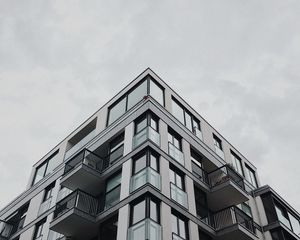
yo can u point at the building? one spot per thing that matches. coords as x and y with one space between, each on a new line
147 166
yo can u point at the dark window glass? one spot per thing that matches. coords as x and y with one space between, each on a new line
148 119
178 111
116 148
137 95
157 92
250 175
49 191
113 188
147 158
196 158
39 229
140 163
117 111
237 163
139 126
217 142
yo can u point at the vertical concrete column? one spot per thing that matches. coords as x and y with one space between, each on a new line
187 155
125 179
33 208
166 223
101 120
163 131
123 222
46 226
165 177
28 234
193 231
128 138
191 195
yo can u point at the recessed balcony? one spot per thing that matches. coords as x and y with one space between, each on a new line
75 215
83 171
147 133
233 223
175 153
227 188
5 230
146 229
178 195
147 175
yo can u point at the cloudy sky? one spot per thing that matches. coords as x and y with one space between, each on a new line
235 61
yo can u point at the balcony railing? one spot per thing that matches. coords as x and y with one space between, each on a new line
219 152
177 237
45 206
80 144
148 175
5 230
198 133
86 157
79 200
224 174
147 133
146 229
231 216
175 153
178 195
199 173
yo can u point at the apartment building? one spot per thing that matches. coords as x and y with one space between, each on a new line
147 166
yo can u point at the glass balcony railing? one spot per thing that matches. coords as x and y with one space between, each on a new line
77 199
224 174
80 144
45 206
219 152
148 175
199 172
147 133
178 195
175 153
5 230
177 237
86 157
147 229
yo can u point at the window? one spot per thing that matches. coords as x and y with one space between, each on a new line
38 233
17 219
177 179
145 159
185 117
179 226
147 208
46 167
201 204
48 192
250 175
149 119
217 142
237 163
174 139
282 215
245 208
295 224
116 148
113 188
130 99
195 157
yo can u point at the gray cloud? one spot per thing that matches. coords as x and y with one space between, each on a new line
236 62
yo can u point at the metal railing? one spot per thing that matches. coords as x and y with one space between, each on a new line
146 229
5 230
45 206
147 133
199 173
179 195
87 157
147 175
79 200
224 174
175 153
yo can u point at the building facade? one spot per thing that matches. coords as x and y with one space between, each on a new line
147 166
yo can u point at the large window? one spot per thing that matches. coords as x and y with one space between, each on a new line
130 99
148 119
250 175
38 233
174 139
177 179
185 117
116 148
237 163
179 227
113 188
145 159
46 167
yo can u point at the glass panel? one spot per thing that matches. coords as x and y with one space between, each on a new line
153 211
53 163
113 182
138 212
153 124
147 133
295 224
250 175
282 216
154 136
237 164
176 154
153 162
156 92
40 173
179 181
117 111
137 95
146 229
141 125
196 124
188 121
174 224
147 175
178 112
178 195
140 163
181 228
112 197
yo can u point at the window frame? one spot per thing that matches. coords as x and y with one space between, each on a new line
48 191
178 217
148 116
180 175
217 142
236 158
248 177
174 135
112 189
147 153
38 231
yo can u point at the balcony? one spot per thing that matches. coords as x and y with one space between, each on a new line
84 165
178 195
75 215
175 153
80 144
45 206
146 229
233 223
227 188
5 230
147 133
148 175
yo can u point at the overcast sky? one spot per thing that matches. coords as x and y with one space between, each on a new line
237 62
